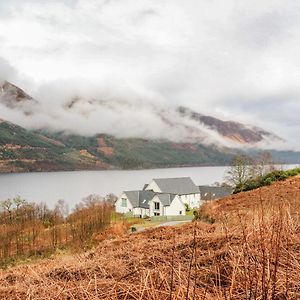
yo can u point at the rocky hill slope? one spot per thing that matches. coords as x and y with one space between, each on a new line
248 247
234 131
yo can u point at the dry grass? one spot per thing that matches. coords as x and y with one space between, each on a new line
251 252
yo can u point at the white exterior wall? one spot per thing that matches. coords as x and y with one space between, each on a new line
151 207
175 208
119 208
172 210
193 200
154 187
139 211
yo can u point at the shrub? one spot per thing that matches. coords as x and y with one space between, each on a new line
268 179
187 207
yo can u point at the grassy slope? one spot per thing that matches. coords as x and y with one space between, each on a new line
251 251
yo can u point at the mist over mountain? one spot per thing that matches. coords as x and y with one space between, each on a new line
235 61
90 131
90 111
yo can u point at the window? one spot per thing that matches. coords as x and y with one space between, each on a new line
156 214
180 212
124 202
156 205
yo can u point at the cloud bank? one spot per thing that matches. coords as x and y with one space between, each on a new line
232 59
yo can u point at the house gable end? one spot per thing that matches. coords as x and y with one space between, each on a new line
152 186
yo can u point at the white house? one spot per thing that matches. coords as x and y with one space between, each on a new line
184 187
166 205
135 202
161 197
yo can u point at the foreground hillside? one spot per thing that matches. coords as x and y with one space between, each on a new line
247 249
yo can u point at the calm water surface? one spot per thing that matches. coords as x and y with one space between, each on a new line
74 186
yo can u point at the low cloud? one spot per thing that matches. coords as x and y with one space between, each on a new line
7 72
129 60
124 113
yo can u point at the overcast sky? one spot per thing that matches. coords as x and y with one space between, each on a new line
233 59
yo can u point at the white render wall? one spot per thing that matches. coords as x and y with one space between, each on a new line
151 207
139 211
173 210
119 208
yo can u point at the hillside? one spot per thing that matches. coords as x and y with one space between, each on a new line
190 125
249 248
144 153
11 95
234 131
24 151
204 140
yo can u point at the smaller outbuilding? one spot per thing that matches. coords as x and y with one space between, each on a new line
214 192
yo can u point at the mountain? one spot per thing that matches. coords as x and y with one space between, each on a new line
207 140
13 97
179 124
231 130
24 151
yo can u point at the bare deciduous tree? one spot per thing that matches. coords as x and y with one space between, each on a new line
240 171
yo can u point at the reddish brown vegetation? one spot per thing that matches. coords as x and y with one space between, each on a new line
29 230
108 151
101 142
187 147
250 252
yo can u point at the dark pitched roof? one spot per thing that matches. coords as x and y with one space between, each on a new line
166 199
139 198
214 192
179 186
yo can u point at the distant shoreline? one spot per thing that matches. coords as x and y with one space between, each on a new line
136 169
112 169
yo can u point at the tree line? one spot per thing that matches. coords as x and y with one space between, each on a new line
32 229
